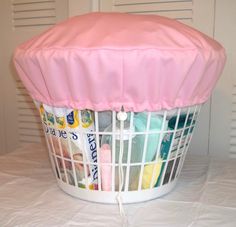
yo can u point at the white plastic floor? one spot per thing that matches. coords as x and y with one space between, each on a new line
205 195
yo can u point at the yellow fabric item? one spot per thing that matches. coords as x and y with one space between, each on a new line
149 170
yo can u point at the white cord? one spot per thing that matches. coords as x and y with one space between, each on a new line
121 171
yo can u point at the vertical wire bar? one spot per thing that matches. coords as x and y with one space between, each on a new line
172 142
179 145
44 125
186 146
98 151
84 151
159 148
121 170
144 151
129 152
52 146
50 156
113 149
69 145
49 149
185 142
60 147
196 112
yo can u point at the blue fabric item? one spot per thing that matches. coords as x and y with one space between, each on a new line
140 123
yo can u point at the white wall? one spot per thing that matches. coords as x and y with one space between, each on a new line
223 108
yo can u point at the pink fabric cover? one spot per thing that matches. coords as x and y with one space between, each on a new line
104 61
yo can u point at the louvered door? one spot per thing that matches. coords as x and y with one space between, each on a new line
30 14
33 13
21 20
181 10
196 13
29 126
232 133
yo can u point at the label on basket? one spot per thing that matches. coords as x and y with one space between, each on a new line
72 138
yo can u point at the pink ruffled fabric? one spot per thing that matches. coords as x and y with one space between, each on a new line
106 61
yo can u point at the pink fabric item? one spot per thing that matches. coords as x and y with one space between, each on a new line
103 61
106 170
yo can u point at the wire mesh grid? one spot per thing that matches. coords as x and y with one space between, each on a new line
97 151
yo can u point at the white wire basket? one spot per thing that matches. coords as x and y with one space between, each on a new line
97 156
